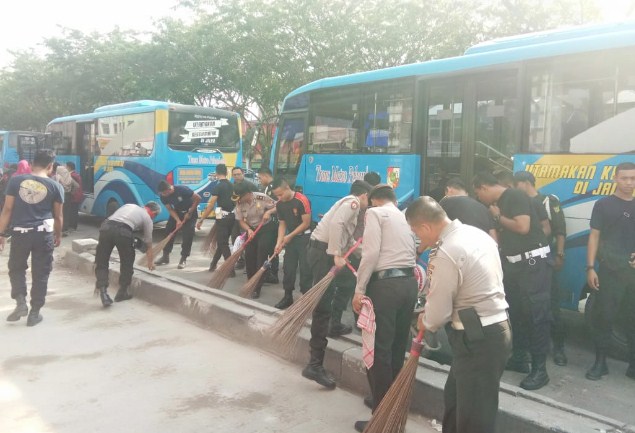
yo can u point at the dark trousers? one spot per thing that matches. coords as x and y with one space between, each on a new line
616 295
345 283
528 293
558 329
114 234
39 245
223 232
471 390
259 249
73 215
275 262
66 210
320 264
393 301
187 232
294 258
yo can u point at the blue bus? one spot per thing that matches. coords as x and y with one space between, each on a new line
122 151
18 145
560 104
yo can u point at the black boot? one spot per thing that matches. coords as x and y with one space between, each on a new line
20 310
320 375
182 264
122 294
285 302
164 260
559 357
538 376
518 362
105 297
339 329
33 318
212 267
599 368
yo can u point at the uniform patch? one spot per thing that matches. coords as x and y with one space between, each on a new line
354 205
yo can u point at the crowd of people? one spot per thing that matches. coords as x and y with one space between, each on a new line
490 280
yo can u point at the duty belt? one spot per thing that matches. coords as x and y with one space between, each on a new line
529 255
220 214
314 243
392 273
485 321
40 228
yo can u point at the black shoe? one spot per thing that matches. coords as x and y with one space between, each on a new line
368 401
271 279
182 264
164 260
630 371
106 301
33 318
122 295
339 329
360 426
285 302
599 368
518 364
320 375
255 295
538 376
212 267
559 358
20 310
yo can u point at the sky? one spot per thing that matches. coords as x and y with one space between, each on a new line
24 23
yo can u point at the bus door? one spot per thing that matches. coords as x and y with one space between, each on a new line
86 143
290 147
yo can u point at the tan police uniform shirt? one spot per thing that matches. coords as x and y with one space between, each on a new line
337 226
464 271
252 211
388 243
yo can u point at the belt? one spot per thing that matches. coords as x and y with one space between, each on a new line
314 243
485 321
392 273
538 252
220 214
23 230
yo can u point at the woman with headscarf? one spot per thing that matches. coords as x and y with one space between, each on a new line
23 168
63 176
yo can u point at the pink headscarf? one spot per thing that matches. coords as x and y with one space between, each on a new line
23 168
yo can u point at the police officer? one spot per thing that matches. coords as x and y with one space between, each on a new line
527 275
223 206
612 242
252 208
294 214
466 295
182 204
386 276
265 176
238 177
117 231
556 235
32 213
330 240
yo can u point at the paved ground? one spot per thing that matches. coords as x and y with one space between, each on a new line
136 368
612 396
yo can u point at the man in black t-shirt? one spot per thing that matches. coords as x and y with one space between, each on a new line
265 176
182 204
458 205
526 275
32 213
294 214
612 242
223 206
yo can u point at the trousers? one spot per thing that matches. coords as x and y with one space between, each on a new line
187 232
225 227
39 245
258 250
114 234
320 264
295 257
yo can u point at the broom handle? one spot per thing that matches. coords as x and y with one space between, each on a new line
417 343
255 233
335 269
353 270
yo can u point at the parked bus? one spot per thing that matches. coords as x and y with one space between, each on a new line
122 151
560 104
18 145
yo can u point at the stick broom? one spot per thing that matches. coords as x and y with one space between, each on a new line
250 286
288 326
221 275
157 248
392 413
209 243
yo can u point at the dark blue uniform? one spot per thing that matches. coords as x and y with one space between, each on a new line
181 202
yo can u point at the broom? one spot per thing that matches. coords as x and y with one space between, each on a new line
157 248
248 288
392 413
289 324
209 243
219 278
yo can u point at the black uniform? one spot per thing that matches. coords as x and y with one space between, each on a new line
181 202
295 251
32 234
225 218
468 211
275 263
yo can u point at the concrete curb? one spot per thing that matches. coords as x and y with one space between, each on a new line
245 320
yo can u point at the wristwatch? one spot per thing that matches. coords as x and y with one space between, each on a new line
590 267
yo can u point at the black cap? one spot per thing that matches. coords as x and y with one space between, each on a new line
524 176
240 189
361 186
379 187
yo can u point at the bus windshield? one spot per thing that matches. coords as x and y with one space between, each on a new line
202 132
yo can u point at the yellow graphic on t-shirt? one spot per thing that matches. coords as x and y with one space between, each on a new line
32 191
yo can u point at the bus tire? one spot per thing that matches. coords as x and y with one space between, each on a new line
619 342
112 207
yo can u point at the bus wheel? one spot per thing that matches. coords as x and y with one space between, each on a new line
112 207
619 342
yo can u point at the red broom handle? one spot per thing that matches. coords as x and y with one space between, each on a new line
353 270
249 239
417 343
335 269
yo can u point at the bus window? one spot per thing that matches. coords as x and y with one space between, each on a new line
109 136
497 119
62 137
387 119
199 132
334 125
290 146
138 134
